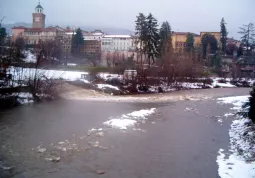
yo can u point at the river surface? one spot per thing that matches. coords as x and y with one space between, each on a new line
180 139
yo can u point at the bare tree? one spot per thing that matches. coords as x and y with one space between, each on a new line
108 58
51 49
248 36
20 43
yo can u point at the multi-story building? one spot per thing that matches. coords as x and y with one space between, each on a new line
94 35
35 35
92 48
179 39
124 45
217 35
18 32
92 43
38 32
117 43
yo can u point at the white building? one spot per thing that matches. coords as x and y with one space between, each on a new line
117 43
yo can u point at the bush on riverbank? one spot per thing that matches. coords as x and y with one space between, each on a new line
251 103
249 107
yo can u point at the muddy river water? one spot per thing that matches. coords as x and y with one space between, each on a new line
68 138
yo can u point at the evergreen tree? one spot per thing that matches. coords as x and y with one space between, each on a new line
208 39
140 30
251 113
165 34
77 42
248 36
224 33
189 42
249 107
240 51
3 34
152 39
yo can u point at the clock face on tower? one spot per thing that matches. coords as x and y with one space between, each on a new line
37 19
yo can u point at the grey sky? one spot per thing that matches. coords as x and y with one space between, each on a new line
183 15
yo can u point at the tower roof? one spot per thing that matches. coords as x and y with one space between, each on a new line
39 6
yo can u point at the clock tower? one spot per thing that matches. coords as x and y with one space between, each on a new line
39 17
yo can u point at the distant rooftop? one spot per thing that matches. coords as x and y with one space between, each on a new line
19 27
184 33
117 36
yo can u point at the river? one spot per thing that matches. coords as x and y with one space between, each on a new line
54 139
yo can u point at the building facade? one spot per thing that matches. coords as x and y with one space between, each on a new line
179 39
38 32
18 32
92 48
37 35
117 43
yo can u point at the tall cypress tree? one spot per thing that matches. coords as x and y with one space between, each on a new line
140 32
152 39
189 42
164 34
224 34
77 42
211 41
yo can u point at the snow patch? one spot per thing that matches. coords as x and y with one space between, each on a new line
30 58
104 86
225 85
84 80
228 114
241 162
26 73
121 123
234 167
216 83
108 76
25 98
142 113
129 120
237 101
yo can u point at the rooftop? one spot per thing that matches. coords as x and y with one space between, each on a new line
19 27
40 29
39 6
184 33
116 36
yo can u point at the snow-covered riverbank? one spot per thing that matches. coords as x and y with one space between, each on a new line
241 160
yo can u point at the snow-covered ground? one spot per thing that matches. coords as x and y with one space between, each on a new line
216 83
108 76
20 74
30 58
241 160
25 73
104 86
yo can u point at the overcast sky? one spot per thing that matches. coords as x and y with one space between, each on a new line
183 15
